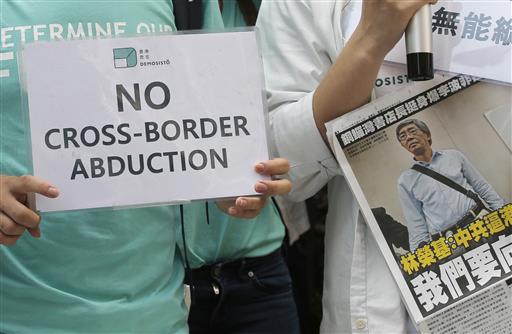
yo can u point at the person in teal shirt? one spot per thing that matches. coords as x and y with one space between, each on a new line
101 271
236 273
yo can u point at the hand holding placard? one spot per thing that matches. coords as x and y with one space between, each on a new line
170 128
249 207
15 216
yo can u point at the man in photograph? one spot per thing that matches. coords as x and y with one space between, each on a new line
443 189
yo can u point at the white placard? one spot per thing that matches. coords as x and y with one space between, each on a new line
144 120
469 37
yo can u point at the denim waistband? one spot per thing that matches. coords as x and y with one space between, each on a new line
214 270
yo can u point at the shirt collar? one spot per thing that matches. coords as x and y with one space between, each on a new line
435 153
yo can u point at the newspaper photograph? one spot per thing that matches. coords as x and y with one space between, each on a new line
431 167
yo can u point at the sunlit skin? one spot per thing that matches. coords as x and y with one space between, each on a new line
416 141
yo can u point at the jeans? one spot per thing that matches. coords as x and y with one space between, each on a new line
252 295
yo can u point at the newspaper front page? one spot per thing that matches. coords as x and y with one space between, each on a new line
431 166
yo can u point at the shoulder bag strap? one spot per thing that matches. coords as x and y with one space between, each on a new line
446 181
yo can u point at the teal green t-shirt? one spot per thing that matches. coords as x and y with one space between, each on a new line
232 15
225 238
212 18
109 271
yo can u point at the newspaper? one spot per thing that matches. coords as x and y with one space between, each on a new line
448 243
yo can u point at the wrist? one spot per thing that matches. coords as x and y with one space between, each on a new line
367 44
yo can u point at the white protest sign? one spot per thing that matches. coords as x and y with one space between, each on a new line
469 37
138 121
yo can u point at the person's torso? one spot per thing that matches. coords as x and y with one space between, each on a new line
226 238
360 294
92 271
441 205
223 238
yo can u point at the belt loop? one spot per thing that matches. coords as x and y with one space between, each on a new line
241 269
216 271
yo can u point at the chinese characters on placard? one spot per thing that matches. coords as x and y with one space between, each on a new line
474 26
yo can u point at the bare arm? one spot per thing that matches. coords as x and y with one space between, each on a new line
309 83
349 82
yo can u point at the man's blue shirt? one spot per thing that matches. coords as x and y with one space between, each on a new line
429 206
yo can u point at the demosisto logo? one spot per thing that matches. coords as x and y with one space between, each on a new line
125 57
128 57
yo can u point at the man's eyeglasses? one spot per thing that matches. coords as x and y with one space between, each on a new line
402 136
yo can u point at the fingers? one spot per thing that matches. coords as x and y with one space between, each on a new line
19 213
273 167
35 232
250 207
33 184
9 227
15 217
10 232
428 2
243 207
250 203
8 239
273 187
247 207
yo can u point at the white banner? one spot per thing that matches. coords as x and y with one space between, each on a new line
138 121
470 37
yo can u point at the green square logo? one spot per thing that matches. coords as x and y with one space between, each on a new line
125 57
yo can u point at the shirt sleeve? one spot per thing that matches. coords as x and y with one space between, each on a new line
480 185
295 59
416 223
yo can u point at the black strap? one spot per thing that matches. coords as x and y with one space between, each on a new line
184 239
446 181
207 208
188 14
